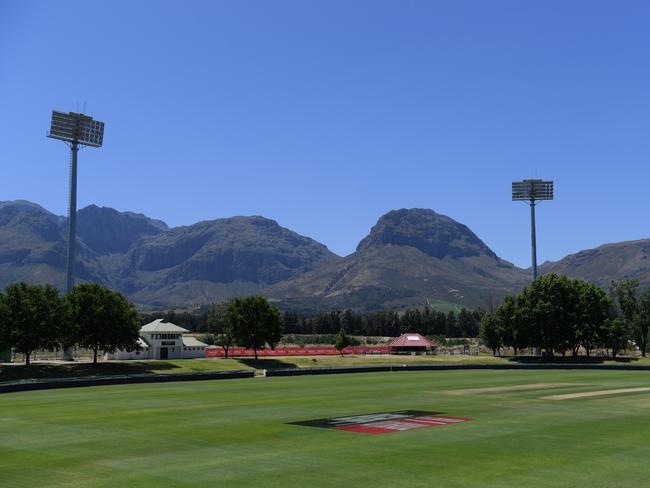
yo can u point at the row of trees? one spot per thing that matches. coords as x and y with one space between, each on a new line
464 323
37 317
560 315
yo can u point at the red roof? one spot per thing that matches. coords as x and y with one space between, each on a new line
411 340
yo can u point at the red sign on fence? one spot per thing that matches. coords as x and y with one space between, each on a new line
218 352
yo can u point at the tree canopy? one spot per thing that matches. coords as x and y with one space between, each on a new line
103 319
256 323
33 317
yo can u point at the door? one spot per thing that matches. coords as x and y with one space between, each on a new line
163 353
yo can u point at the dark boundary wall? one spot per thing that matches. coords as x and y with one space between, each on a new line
450 367
30 385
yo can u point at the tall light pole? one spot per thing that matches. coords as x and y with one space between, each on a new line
76 130
532 191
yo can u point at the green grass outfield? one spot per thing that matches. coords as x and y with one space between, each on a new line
234 433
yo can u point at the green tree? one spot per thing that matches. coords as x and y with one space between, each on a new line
513 331
256 323
624 293
490 333
616 334
628 309
595 308
549 307
451 325
105 320
642 322
5 331
220 325
34 318
343 340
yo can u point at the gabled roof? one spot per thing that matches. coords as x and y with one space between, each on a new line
193 342
411 339
159 326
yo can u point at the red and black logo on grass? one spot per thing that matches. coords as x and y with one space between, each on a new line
386 422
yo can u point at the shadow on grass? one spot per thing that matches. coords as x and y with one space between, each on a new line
567 360
44 371
265 363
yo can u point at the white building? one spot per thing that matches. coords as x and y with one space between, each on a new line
163 340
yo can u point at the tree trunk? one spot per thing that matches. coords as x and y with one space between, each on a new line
225 348
255 350
95 356
27 362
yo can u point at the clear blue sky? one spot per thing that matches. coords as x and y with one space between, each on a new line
324 115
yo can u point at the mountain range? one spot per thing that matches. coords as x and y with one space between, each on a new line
410 258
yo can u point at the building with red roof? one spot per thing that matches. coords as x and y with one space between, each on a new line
411 342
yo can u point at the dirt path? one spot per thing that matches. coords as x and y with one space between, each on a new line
505 389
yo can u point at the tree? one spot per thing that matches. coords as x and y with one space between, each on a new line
105 320
628 309
256 323
342 341
33 317
642 323
549 307
513 331
616 335
490 333
451 326
5 331
595 309
220 325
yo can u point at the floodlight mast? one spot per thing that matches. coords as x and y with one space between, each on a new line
75 130
532 191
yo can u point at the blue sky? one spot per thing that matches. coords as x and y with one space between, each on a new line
323 115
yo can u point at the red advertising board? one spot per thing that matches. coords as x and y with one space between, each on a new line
218 352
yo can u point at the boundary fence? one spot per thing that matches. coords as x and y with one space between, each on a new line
29 385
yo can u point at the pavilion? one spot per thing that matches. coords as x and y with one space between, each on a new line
410 343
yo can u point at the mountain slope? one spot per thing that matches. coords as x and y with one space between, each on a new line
154 265
411 257
610 262
222 258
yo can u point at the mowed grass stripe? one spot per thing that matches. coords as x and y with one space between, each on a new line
588 394
507 389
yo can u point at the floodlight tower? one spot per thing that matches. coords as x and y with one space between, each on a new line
532 191
76 130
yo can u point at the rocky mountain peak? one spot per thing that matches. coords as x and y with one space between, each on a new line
434 234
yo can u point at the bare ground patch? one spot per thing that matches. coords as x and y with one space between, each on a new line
505 389
586 394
